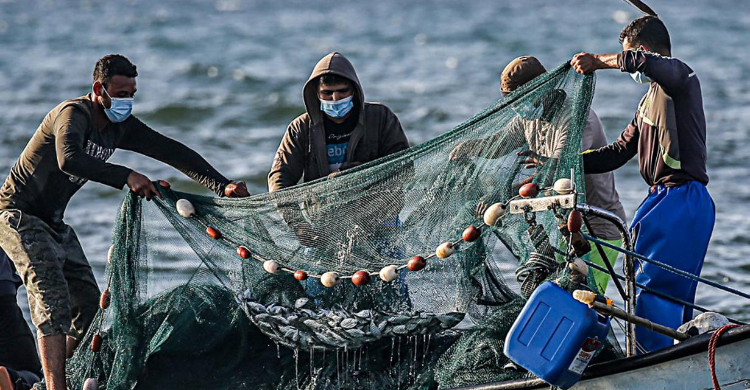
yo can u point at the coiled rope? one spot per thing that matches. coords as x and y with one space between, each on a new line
534 271
712 352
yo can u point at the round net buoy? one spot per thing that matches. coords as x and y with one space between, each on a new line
529 190
361 278
445 250
96 343
213 233
271 266
388 273
470 234
575 220
110 252
416 263
243 252
300 275
104 300
185 208
329 279
91 384
493 213
564 186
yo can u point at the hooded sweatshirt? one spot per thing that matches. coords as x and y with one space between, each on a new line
303 154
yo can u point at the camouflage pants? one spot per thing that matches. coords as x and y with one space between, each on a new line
62 290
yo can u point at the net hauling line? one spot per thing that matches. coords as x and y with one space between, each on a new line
388 273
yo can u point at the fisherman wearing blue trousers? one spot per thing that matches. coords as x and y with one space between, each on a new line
668 133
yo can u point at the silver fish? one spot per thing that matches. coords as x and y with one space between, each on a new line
348 323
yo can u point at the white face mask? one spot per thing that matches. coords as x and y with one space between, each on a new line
640 78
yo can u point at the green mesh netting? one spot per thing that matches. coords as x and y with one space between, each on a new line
188 312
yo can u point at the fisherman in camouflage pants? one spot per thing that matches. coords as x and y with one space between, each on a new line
71 147
45 255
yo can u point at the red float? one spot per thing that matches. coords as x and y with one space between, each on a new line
243 252
213 233
360 278
471 233
164 184
575 220
529 190
96 343
416 263
300 275
104 300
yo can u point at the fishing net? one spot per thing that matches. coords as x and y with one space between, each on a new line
212 300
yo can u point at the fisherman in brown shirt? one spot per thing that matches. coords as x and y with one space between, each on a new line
68 149
668 134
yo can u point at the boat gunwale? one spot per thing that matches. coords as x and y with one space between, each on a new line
686 348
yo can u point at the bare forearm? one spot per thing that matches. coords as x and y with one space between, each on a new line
586 62
607 61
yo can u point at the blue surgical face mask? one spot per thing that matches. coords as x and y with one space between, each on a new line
119 109
336 108
640 78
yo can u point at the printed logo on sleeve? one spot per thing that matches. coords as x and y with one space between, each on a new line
95 151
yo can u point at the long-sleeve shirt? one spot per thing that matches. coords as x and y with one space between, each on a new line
668 132
66 151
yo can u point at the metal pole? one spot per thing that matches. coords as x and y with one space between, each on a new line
605 309
628 269
610 267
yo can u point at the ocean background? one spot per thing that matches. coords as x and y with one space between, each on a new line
225 77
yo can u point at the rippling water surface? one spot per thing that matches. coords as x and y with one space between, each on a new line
225 77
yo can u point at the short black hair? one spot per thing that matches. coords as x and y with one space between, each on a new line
113 65
648 31
330 79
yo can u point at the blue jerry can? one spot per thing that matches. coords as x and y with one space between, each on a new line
555 336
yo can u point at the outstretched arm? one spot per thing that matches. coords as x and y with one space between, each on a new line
142 139
586 63
70 135
670 73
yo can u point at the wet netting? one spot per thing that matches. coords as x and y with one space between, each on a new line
317 286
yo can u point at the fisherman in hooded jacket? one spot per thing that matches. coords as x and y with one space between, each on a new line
338 131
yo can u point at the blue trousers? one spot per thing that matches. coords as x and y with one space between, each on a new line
673 225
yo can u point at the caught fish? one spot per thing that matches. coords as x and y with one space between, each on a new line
348 323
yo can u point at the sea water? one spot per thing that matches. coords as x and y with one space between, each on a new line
225 77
